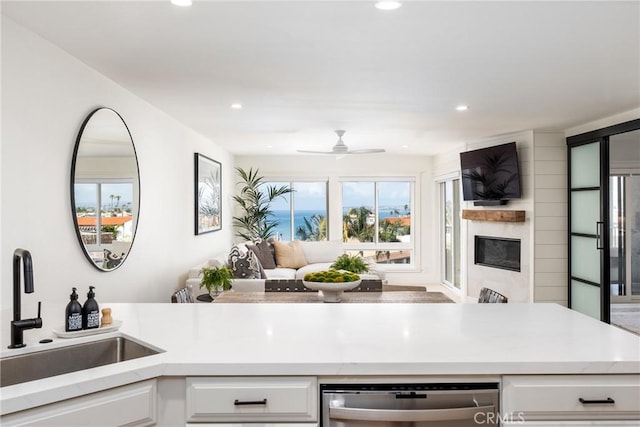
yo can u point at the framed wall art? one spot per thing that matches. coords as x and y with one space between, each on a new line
208 194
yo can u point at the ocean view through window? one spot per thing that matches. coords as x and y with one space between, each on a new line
374 217
301 215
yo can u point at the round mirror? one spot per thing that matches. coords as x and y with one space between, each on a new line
105 189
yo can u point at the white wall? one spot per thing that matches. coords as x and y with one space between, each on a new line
46 94
550 218
296 167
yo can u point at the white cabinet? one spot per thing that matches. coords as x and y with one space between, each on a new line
583 398
130 405
252 399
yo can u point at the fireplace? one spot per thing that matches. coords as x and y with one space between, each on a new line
497 252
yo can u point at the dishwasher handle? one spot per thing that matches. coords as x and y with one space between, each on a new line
398 415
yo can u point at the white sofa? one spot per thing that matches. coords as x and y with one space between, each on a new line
319 256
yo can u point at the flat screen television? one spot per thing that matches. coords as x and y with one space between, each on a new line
490 176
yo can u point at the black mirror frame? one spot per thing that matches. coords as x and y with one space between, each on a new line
72 189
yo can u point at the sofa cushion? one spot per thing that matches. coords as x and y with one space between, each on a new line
244 264
281 273
263 251
370 276
290 254
312 268
323 251
374 270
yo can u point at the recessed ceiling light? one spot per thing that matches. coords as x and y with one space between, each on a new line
405 146
181 2
269 147
236 106
462 107
388 5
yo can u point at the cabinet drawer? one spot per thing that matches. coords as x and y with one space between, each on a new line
590 397
130 405
252 399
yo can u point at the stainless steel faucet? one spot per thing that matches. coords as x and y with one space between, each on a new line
18 326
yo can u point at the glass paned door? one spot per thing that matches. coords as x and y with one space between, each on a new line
587 234
450 194
633 237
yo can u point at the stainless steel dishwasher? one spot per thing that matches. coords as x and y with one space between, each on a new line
410 405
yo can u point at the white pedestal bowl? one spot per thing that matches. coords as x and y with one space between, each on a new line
331 292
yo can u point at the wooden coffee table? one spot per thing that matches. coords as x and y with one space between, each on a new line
347 297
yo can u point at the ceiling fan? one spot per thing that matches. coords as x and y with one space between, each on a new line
340 148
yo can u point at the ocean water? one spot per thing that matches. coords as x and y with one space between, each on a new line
284 218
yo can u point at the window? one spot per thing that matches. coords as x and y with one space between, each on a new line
103 213
377 219
624 236
450 202
301 215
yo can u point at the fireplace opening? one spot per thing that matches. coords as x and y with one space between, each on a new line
497 252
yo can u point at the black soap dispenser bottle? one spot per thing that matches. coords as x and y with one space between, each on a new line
73 314
90 311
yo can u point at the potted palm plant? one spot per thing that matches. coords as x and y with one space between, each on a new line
255 222
216 279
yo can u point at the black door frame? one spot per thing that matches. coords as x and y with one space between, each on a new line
602 136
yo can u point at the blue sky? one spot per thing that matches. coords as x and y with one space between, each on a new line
307 196
390 193
312 195
85 194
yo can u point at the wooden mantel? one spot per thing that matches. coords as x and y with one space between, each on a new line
500 215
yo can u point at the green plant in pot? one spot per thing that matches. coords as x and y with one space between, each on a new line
353 263
216 279
256 220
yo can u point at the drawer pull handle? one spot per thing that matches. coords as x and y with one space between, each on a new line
250 402
412 395
589 402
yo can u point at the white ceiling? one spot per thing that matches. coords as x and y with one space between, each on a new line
305 68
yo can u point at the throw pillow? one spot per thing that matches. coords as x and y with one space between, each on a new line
316 252
111 260
289 255
262 250
245 265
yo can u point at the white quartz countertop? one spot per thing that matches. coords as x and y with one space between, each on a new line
338 340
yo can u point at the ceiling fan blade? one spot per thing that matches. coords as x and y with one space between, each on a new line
366 151
341 148
315 152
363 151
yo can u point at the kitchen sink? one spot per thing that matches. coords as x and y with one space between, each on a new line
72 358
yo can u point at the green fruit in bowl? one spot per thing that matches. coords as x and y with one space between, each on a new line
331 276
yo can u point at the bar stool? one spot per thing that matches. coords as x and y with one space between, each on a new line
184 295
490 296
